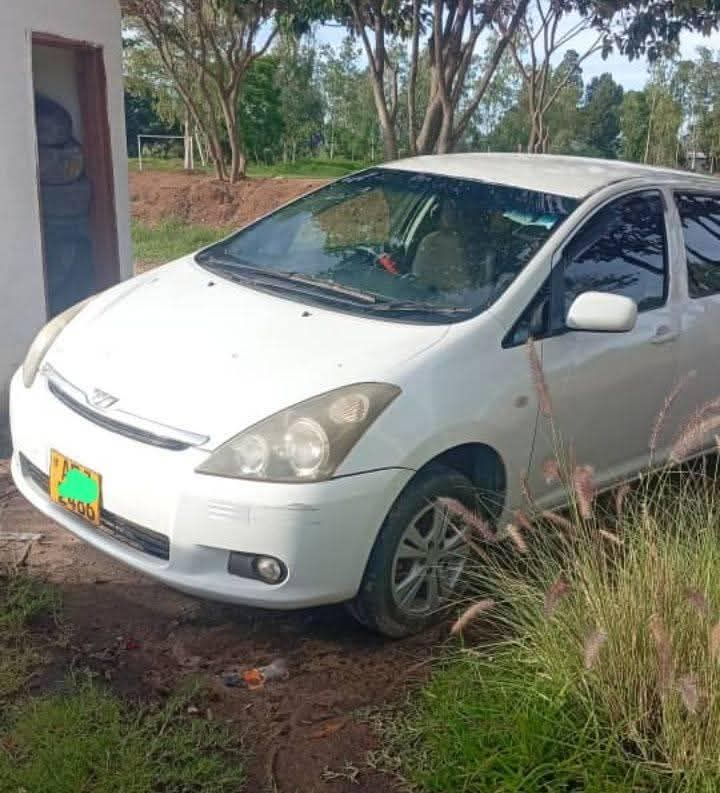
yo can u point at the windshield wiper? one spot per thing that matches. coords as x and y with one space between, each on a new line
426 308
247 273
332 286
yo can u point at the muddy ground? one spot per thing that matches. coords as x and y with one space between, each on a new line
305 734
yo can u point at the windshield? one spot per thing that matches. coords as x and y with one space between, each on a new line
396 242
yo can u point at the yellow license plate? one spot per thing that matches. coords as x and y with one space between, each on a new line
75 487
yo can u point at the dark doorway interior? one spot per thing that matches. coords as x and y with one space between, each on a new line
75 174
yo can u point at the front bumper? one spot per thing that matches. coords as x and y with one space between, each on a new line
323 532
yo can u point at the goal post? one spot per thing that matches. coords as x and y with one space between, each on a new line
189 147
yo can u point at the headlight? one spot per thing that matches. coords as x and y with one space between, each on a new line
43 341
305 443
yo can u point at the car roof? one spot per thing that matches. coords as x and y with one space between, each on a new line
573 177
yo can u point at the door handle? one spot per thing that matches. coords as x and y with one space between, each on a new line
664 334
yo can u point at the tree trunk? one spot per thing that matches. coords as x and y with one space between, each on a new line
217 160
412 77
387 127
237 158
649 130
445 142
228 104
535 137
198 138
188 163
430 130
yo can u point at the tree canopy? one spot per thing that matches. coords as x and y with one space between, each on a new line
420 76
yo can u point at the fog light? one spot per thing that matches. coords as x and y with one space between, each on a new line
270 570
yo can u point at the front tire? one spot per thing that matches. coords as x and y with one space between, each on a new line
419 556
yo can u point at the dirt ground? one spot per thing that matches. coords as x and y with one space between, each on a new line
156 195
307 733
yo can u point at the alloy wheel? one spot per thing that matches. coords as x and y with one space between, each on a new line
428 562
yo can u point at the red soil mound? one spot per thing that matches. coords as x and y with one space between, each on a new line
157 195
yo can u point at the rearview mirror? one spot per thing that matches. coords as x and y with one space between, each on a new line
602 312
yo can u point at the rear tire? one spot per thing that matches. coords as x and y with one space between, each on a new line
417 561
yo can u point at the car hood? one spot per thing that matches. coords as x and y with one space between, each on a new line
191 350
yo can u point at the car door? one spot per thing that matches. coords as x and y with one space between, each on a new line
699 216
607 388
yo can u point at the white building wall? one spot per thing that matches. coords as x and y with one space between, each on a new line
22 299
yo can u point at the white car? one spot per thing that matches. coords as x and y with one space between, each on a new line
272 421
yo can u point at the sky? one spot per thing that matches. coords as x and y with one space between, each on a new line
632 75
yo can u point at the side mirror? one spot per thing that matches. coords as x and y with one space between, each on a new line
602 312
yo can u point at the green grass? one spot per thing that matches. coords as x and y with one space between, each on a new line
498 724
318 169
616 686
170 239
85 738
22 601
88 740
309 168
165 164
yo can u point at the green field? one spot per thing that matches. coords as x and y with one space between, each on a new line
301 169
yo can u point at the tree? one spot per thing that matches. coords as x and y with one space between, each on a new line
300 98
651 28
152 104
351 127
540 36
561 127
338 74
662 144
650 122
501 95
215 42
443 34
260 110
709 136
634 116
562 119
695 85
601 115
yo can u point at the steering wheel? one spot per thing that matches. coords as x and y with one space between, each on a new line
379 258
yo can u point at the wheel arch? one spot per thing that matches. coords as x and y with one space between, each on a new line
483 466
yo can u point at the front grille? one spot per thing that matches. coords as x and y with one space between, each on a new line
112 525
116 426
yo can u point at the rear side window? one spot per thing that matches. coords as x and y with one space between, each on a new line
700 217
621 249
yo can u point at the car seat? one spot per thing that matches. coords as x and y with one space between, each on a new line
440 261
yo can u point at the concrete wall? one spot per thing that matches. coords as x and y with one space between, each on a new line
22 299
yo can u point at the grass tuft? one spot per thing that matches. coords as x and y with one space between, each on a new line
605 670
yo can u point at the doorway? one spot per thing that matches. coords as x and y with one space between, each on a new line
75 173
